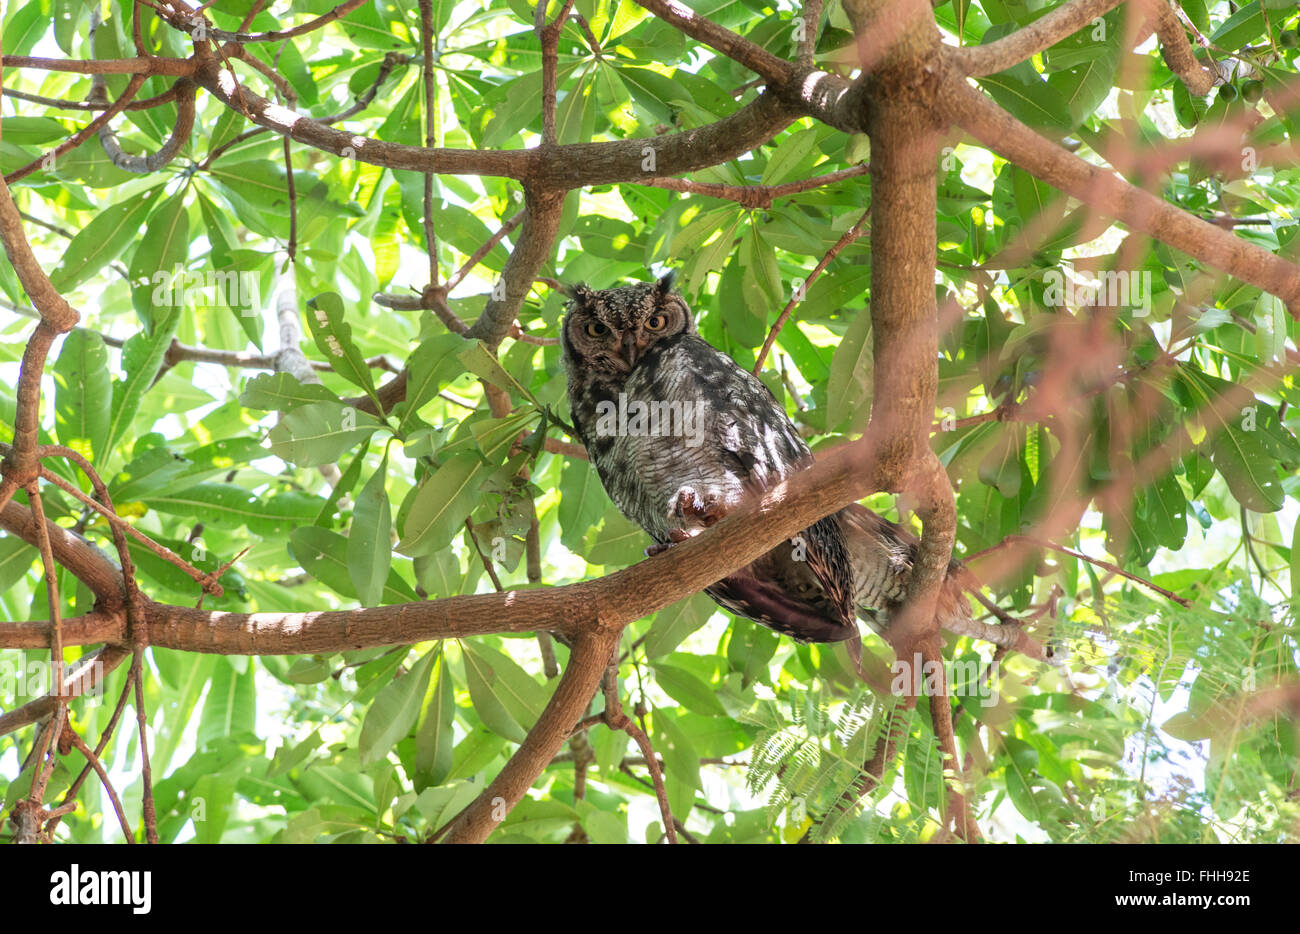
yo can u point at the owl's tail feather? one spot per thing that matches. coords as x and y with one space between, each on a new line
882 554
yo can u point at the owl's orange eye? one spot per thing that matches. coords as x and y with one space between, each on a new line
656 322
596 329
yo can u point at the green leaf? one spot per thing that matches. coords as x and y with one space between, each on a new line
1188 109
394 710
688 690
27 23
102 240
518 692
231 706
1030 100
370 549
1022 764
781 165
440 504
282 392
319 432
1167 511
674 623
1294 562
1244 454
15 561
320 553
583 502
1241 28
482 363
434 739
848 388
619 542
83 395
142 358
431 366
681 763
334 339
478 675
165 249
1250 473
1000 468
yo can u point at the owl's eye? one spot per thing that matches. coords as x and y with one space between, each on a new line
656 322
596 329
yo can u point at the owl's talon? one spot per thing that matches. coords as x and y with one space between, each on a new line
676 536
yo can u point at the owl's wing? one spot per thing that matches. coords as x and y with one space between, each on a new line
763 447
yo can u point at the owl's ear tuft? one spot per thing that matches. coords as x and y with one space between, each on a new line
579 292
665 284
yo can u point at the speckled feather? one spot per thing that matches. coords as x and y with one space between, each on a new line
804 588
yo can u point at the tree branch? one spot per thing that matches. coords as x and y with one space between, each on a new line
1105 192
756 58
1176 50
1024 43
535 244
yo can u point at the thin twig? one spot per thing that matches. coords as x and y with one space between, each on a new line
852 234
1011 540
92 758
615 719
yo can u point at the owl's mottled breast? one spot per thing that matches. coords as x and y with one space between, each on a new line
703 422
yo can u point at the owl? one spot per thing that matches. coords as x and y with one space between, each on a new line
680 435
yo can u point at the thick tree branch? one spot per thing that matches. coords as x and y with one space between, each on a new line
754 57
533 248
1024 43
843 476
153 65
754 197
587 662
1177 51
314 133
1114 197
554 169
87 563
101 120
180 135
581 165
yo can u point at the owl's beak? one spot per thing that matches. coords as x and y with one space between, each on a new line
629 348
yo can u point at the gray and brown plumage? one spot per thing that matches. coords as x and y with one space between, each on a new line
638 344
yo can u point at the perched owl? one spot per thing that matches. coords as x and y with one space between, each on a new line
680 434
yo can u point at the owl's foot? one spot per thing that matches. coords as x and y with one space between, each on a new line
677 535
705 509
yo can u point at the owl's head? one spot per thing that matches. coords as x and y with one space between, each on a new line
608 331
